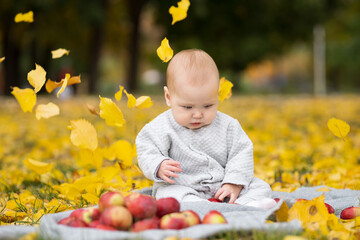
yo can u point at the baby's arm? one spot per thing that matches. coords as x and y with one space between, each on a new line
167 169
229 190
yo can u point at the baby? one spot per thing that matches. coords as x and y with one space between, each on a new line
192 151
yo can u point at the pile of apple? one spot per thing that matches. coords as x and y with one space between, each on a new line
137 212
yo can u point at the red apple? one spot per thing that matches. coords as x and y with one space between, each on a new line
166 206
88 215
118 217
146 224
141 206
65 221
214 200
76 223
105 227
173 221
77 213
110 199
214 217
350 213
94 223
330 208
191 217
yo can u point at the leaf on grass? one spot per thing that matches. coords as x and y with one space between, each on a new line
58 53
118 94
180 12
131 99
123 151
51 85
111 113
338 127
83 134
91 198
25 97
225 89
37 77
90 159
24 17
92 110
37 166
47 110
165 52
2 59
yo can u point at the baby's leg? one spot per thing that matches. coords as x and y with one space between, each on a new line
258 194
181 193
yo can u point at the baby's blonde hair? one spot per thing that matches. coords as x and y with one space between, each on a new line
195 64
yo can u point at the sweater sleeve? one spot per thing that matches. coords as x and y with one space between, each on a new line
239 168
151 151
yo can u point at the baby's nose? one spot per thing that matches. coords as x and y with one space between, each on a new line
197 114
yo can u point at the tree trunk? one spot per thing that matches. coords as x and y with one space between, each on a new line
11 52
96 44
135 9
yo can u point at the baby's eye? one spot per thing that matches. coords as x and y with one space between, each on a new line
208 106
187 107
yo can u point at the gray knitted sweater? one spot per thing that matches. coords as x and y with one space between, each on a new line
209 157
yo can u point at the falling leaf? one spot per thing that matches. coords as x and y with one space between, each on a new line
47 110
92 110
118 94
83 134
24 17
37 77
338 127
225 89
25 97
2 59
180 12
111 113
58 53
131 100
63 86
37 166
165 52
51 85
143 102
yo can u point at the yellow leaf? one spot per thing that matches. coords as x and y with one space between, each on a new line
282 213
123 151
338 127
63 86
11 204
165 52
180 12
143 102
37 166
37 77
131 99
118 94
69 190
2 59
91 198
24 17
51 85
47 111
38 215
111 113
225 89
83 134
58 53
25 97
14 214
110 172
90 158
294 237
323 189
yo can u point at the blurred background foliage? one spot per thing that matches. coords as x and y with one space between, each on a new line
261 46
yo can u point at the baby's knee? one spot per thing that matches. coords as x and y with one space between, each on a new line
181 193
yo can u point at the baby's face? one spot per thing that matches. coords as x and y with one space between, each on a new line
194 107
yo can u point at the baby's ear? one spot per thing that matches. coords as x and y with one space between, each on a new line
167 96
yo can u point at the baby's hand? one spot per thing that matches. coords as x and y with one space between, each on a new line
229 190
167 169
